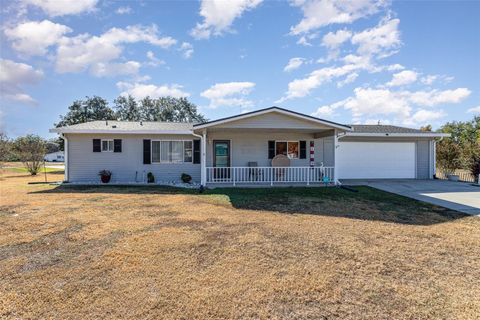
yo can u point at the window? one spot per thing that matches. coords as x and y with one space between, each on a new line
172 151
107 145
288 148
187 151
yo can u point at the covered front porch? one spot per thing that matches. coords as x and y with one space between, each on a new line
242 151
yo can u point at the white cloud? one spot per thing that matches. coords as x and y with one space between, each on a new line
428 80
474 110
187 50
123 10
435 97
229 94
423 117
403 78
153 60
142 90
219 15
382 40
293 63
324 111
399 104
320 13
395 67
79 53
333 40
115 69
56 8
34 38
348 79
301 87
13 76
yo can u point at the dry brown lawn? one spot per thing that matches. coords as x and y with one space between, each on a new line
153 253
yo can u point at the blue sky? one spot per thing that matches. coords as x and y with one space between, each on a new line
407 63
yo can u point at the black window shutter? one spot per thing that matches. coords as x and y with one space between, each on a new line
117 145
97 145
196 151
271 149
303 149
146 152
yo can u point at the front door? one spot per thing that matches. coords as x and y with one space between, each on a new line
221 159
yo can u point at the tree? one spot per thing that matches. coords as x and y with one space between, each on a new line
126 109
5 148
427 128
52 146
466 137
169 109
30 150
90 109
448 156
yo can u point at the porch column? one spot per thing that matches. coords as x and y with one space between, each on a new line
335 146
203 172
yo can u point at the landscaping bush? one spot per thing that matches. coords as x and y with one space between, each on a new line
150 177
186 178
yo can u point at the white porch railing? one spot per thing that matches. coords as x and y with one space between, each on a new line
271 175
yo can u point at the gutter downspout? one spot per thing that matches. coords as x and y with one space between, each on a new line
203 156
65 160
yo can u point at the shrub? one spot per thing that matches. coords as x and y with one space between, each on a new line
150 177
30 150
186 178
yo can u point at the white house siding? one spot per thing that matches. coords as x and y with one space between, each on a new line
84 164
324 151
273 120
424 159
252 146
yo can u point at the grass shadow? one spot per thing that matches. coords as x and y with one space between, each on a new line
366 204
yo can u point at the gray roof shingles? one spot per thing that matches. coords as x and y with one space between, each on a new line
112 125
362 128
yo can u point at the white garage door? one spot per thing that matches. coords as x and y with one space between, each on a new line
376 160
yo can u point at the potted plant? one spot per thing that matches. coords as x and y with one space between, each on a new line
150 177
105 176
186 178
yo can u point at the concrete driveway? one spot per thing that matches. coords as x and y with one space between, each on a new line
459 196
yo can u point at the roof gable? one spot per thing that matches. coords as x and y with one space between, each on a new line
273 117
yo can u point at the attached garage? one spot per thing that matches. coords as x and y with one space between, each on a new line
376 160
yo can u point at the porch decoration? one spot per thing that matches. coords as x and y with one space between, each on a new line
105 176
312 153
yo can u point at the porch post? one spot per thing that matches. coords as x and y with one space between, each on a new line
203 172
335 146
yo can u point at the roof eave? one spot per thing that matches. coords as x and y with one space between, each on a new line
412 135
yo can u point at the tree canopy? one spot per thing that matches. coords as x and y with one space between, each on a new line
127 108
464 143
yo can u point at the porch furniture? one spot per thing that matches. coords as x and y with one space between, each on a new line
279 163
254 172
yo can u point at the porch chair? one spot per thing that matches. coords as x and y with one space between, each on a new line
253 171
280 160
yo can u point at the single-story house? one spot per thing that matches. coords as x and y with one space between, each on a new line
58 156
238 150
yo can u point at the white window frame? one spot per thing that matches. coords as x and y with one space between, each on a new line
108 144
170 162
289 141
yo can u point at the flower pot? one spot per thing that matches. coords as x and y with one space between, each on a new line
453 177
105 179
